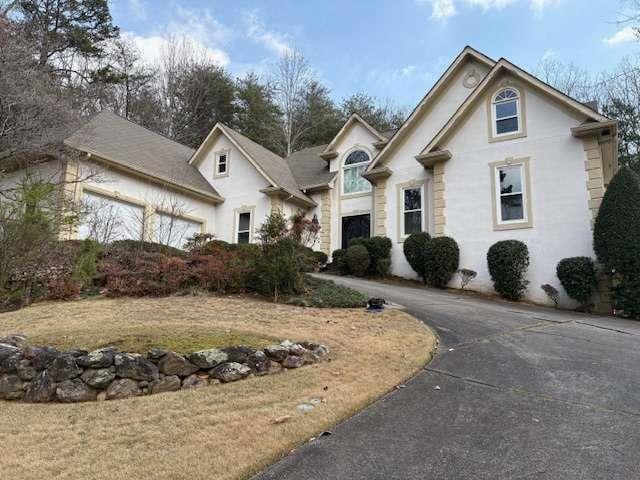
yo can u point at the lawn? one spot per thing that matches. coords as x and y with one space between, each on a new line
225 431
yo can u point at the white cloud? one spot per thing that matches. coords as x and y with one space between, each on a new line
626 35
549 55
276 42
441 10
197 27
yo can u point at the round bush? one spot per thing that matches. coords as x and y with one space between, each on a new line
415 248
379 247
508 261
321 258
339 262
442 258
578 278
357 259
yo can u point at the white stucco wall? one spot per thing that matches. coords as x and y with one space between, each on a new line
145 191
240 189
559 198
405 167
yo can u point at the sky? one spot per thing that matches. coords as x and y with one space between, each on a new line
393 50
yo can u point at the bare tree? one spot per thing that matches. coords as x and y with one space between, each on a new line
291 78
566 77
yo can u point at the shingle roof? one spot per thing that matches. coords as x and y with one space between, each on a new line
120 141
309 169
276 167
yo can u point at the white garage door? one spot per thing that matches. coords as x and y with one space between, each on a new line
107 219
175 231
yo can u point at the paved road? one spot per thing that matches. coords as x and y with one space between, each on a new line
515 392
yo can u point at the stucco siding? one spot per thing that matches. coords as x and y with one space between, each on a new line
561 220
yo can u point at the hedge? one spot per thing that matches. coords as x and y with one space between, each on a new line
442 257
578 278
357 259
415 251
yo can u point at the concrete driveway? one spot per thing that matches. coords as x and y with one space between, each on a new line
514 392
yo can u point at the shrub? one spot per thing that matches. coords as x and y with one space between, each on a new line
415 249
85 269
327 294
307 258
221 271
551 292
135 246
379 249
616 240
578 278
466 277
339 262
508 261
442 257
321 258
357 259
277 269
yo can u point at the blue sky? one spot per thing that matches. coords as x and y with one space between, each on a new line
390 49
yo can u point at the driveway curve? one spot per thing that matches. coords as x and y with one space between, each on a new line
514 392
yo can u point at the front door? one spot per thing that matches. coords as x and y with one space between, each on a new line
355 226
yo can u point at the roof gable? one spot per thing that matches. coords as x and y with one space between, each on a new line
328 152
466 55
272 167
501 67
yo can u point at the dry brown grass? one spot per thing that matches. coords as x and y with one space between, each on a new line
218 432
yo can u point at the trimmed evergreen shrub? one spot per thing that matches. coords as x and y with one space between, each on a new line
616 240
339 262
321 258
578 278
415 250
379 249
508 261
442 257
357 259
616 235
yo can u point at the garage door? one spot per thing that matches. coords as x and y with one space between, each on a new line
175 231
106 219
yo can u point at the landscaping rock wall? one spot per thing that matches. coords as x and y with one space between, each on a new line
44 374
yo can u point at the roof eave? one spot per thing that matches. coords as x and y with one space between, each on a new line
272 191
428 160
378 174
595 128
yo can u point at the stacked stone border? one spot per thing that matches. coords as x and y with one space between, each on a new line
40 374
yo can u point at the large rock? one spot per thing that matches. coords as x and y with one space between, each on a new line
194 381
277 352
206 359
230 372
25 370
41 357
156 354
10 363
170 383
259 362
132 365
11 387
75 390
238 354
293 361
102 358
63 368
173 364
123 388
41 389
7 351
16 340
99 378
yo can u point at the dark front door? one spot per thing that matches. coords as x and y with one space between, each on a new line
355 226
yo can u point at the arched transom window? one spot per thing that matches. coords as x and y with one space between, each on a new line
354 166
506 112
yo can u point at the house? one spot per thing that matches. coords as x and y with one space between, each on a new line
490 153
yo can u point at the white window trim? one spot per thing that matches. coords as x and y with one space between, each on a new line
496 196
216 165
424 226
251 210
521 110
344 167
517 116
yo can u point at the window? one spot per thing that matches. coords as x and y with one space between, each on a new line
511 194
412 210
355 226
222 164
244 227
106 219
174 230
354 166
506 112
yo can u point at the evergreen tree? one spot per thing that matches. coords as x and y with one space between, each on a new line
257 115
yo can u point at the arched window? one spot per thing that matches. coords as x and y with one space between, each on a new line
506 112
354 166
